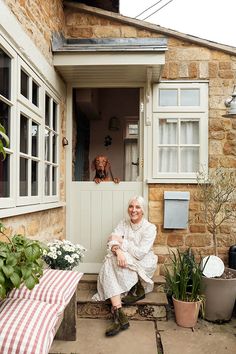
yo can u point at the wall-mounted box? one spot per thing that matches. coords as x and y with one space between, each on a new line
176 208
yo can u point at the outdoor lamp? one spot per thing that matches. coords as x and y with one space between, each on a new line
230 103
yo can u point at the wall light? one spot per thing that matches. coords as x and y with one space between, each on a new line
230 103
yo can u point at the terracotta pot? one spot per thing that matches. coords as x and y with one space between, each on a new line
186 313
220 297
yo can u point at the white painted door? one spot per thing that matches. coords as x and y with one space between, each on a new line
93 210
96 210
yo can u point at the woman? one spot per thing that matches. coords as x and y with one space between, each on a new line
129 264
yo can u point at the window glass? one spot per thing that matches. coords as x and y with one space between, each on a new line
47 110
189 132
168 159
47 180
24 84
54 149
23 177
54 116
35 94
5 117
133 129
168 97
168 131
5 177
35 137
190 97
54 180
5 74
23 134
34 178
189 159
47 145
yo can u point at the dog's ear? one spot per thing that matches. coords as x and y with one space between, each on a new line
107 166
93 164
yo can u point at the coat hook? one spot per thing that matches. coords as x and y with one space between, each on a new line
65 141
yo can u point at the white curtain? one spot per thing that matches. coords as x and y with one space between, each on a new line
131 155
168 135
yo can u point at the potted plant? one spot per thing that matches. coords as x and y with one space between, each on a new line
217 195
183 279
3 139
20 262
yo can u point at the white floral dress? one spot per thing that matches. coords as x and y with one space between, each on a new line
137 245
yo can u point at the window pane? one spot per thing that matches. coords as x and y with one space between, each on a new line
168 160
189 159
47 110
189 132
190 97
5 117
35 94
54 180
54 116
47 180
168 97
23 134
168 131
24 84
133 129
35 136
5 74
47 145
54 148
5 177
23 177
34 178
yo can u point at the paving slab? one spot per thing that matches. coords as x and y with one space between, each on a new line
140 338
207 338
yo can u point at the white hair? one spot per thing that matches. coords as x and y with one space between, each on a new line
140 201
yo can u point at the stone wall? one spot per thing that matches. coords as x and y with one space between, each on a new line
184 61
44 226
39 19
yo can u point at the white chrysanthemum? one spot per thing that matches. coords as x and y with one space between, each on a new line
59 253
45 252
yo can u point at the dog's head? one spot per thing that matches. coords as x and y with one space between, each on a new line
101 164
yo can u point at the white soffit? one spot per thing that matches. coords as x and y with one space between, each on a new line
114 61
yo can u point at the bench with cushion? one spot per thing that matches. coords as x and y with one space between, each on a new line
29 320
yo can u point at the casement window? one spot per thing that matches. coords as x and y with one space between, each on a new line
180 130
29 112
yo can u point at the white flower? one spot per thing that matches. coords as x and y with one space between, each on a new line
59 253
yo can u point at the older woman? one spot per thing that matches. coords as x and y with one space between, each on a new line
129 265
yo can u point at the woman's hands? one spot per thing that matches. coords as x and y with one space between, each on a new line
121 260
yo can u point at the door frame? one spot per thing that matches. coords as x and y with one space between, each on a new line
145 106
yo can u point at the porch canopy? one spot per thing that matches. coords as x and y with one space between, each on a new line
109 61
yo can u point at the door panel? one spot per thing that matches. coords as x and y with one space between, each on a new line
95 211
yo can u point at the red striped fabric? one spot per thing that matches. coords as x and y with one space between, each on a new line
27 326
55 287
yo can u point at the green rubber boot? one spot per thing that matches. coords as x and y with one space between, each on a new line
136 293
120 322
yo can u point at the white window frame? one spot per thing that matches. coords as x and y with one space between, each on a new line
186 112
16 204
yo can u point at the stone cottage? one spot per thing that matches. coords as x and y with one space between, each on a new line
78 79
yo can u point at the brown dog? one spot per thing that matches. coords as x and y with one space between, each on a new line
102 167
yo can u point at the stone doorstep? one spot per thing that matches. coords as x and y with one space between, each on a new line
152 307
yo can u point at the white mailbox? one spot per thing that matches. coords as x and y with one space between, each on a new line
176 207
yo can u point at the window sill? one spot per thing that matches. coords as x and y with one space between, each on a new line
173 180
8 212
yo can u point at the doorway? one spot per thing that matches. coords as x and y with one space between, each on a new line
106 121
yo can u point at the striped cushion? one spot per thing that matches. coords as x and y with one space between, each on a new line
55 287
26 326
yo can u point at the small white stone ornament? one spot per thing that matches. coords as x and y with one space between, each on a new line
212 266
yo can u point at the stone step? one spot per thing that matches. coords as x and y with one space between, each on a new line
153 306
89 282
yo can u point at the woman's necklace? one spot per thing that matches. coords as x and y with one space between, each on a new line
136 227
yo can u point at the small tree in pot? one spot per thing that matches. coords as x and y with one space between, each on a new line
217 195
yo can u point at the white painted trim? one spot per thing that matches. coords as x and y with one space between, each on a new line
7 212
14 33
103 59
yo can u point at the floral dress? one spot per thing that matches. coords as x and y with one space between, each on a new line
137 245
